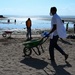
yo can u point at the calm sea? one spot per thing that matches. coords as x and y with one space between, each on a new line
37 23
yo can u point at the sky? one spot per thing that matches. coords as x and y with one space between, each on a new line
36 7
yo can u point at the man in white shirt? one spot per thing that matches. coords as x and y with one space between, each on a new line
57 30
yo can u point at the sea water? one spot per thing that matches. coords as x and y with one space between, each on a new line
37 23
20 24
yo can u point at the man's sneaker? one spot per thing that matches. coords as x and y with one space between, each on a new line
66 56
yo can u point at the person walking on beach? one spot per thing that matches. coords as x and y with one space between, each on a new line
57 31
28 26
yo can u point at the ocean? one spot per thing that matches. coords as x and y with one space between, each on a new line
38 22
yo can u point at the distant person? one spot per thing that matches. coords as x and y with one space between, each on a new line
67 26
63 21
57 31
8 20
74 28
28 26
15 21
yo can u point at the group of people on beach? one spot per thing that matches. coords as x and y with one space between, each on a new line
57 31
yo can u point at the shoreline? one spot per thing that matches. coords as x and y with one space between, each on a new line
34 31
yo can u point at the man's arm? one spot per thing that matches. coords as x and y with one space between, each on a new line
53 29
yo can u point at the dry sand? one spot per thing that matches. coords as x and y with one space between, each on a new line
12 61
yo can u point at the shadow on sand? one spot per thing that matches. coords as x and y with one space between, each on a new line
35 63
59 69
41 64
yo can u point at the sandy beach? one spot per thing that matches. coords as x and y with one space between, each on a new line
12 61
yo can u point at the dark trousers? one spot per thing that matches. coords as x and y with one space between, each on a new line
53 44
28 33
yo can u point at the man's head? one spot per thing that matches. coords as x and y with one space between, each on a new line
53 10
28 18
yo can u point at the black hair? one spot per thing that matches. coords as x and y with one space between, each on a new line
54 9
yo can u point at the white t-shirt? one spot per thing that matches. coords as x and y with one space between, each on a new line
60 29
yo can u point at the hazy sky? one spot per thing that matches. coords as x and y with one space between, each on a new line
36 7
